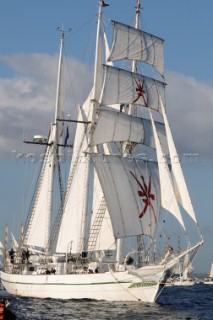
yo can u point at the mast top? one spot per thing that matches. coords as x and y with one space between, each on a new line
138 6
61 29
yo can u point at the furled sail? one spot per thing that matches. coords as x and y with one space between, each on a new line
121 86
131 191
119 126
177 171
168 198
134 44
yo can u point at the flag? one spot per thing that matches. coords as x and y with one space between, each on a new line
66 137
103 4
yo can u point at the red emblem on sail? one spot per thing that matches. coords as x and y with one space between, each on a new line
146 194
140 91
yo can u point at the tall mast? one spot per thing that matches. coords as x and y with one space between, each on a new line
97 54
96 92
133 109
5 245
55 137
58 90
140 244
137 22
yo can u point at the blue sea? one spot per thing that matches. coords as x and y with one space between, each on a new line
195 302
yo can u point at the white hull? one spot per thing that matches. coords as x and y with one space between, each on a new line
208 282
183 283
117 286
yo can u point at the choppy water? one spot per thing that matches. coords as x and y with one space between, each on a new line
194 302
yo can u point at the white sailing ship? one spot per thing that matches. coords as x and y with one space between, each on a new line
126 193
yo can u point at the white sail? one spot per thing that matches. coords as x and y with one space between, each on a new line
1 245
211 272
133 209
134 44
123 127
121 86
71 224
177 171
14 243
107 50
40 215
168 198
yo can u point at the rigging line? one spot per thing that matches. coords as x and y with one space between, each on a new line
70 80
79 64
81 27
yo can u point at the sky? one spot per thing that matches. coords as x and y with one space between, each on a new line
29 43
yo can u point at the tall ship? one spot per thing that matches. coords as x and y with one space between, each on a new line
126 202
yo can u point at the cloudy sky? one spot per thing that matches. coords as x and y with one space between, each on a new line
28 70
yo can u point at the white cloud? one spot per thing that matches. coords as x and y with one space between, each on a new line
28 100
190 110
28 97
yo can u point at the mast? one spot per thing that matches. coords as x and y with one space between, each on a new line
41 207
5 245
96 93
97 54
133 111
58 90
137 19
132 108
54 155
126 146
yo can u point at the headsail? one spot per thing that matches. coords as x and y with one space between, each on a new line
168 198
69 235
41 209
177 171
